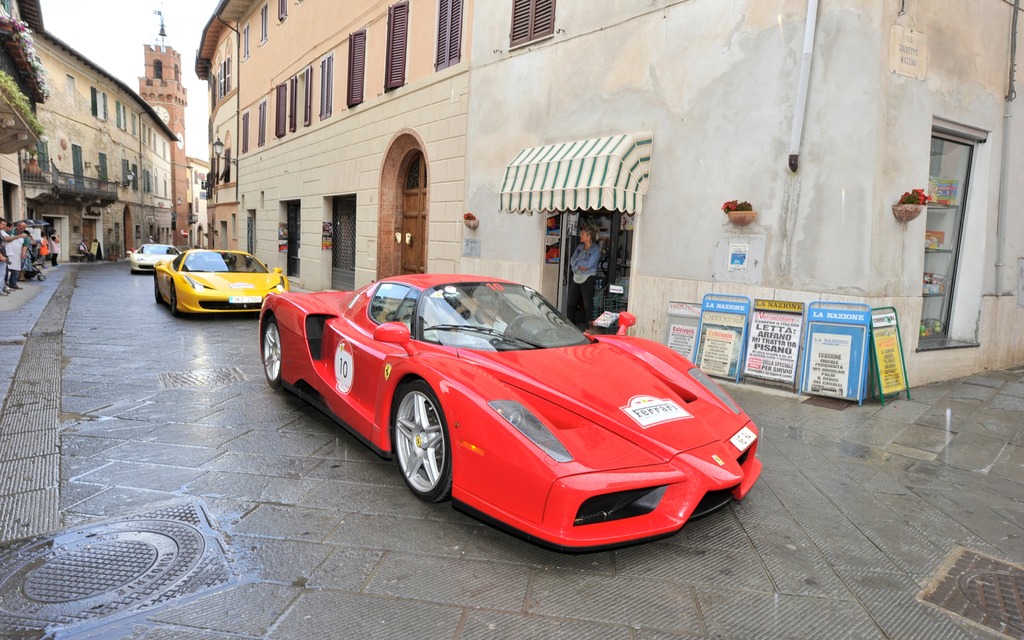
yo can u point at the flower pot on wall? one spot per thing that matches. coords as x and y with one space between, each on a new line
741 218
907 212
471 224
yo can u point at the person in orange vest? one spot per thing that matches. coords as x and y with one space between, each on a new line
44 250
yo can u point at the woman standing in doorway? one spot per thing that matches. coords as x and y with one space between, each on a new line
583 262
54 248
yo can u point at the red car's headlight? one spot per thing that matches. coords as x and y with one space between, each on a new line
712 386
530 426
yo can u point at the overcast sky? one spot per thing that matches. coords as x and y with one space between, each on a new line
112 34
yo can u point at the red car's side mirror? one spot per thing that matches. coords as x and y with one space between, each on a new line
626 320
394 333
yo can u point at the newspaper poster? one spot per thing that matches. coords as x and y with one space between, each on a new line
721 343
829 371
683 318
774 346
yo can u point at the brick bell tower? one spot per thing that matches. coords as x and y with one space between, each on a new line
163 89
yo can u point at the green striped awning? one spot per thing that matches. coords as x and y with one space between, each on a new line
600 173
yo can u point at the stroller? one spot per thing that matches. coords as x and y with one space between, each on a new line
32 265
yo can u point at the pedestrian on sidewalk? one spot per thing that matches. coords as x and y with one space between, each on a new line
16 249
3 262
44 250
54 249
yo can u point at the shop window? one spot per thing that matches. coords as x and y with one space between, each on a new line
948 181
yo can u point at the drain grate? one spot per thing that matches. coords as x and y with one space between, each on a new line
93 574
201 378
982 589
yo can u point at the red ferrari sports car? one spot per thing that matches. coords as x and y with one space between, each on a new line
486 395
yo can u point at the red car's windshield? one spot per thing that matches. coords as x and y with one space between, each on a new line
492 316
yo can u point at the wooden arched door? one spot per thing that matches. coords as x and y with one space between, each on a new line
414 216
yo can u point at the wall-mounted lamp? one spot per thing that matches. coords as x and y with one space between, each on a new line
127 179
218 150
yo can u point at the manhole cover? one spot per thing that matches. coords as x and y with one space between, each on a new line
92 573
201 378
827 403
982 589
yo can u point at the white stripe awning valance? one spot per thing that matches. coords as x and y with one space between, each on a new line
601 173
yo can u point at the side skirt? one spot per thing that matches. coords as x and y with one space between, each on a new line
304 392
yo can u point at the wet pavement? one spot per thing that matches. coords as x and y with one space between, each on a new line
152 486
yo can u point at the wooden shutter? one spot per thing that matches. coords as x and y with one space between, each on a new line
95 102
261 137
531 19
245 132
293 103
543 18
356 67
282 110
307 109
327 87
282 10
449 34
398 31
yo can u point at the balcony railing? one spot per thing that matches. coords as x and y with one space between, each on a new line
70 184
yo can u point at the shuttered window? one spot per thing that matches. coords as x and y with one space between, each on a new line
531 19
261 135
398 35
293 103
282 10
356 67
327 87
307 108
449 34
280 116
245 132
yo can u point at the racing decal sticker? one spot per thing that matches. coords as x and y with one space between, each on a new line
387 371
648 411
344 368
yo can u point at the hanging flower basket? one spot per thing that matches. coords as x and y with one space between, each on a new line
741 213
470 221
907 212
910 205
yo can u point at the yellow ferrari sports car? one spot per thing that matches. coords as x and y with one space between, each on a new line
203 281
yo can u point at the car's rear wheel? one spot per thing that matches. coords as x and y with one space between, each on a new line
271 352
173 302
419 436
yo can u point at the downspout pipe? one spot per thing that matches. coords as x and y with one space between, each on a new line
1004 167
801 91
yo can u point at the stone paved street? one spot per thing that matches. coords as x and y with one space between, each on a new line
117 409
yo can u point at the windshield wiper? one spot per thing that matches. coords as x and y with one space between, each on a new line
485 330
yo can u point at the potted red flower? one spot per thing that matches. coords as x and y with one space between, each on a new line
740 212
470 221
910 205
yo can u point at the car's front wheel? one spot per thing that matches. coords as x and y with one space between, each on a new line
156 290
419 436
173 301
271 353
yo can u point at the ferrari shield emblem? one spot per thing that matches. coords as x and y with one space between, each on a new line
718 460
387 371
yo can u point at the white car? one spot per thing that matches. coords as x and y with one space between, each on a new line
146 257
